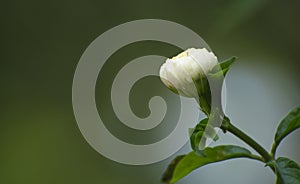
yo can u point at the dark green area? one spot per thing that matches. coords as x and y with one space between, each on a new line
42 41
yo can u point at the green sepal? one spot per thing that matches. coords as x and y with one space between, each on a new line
222 68
204 94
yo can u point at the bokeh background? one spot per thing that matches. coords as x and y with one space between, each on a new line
42 41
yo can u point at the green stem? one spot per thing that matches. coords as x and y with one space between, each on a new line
240 134
273 150
256 157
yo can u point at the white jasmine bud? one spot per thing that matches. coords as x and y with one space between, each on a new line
180 72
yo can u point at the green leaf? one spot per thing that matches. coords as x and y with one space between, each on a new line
169 172
290 123
287 171
200 134
192 161
223 67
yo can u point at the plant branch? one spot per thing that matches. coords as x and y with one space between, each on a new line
240 134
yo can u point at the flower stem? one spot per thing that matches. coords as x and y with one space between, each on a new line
240 134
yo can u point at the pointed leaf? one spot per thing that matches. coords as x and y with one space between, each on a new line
167 176
192 161
287 171
290 123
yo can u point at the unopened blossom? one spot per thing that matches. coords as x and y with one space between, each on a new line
180 72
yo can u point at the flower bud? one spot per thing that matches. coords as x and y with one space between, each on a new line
180 72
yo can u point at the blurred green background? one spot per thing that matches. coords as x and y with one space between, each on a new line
42 41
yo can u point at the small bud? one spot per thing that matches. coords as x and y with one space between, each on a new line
180 72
